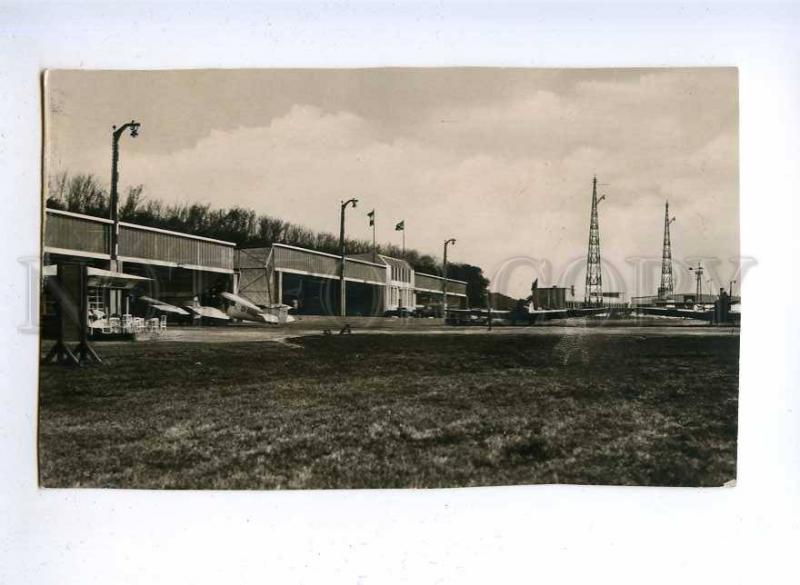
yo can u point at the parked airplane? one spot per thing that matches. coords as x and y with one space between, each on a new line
279 311
478 317
208 314
240 308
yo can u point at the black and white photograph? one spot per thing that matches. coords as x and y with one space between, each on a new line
269 279
376 293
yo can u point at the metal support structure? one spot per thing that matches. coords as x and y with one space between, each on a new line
666 290
698 273
594 277
72 308
342 287
444 280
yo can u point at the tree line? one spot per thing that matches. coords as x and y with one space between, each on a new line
83 193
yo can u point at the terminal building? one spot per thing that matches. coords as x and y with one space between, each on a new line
179 268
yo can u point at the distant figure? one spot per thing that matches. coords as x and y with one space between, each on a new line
346 330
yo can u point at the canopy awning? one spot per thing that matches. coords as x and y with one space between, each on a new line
99 278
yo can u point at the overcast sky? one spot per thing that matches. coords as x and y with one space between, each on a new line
501 159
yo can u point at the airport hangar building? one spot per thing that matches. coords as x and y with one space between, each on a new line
179 267
309 281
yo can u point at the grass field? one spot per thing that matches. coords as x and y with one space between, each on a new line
367 411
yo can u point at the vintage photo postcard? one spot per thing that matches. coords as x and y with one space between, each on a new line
389 278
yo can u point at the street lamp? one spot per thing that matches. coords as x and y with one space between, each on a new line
342 304
116 134
444 280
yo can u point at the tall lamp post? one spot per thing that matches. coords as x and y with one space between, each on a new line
444 280
115 298
342 302
116 135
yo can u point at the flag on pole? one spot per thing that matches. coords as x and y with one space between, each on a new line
371 216
400 226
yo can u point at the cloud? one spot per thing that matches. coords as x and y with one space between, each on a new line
509 177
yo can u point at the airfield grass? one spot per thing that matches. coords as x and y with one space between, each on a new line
369 411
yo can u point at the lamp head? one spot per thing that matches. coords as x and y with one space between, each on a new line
134 129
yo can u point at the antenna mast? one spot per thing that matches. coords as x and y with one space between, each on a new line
594 277
666 289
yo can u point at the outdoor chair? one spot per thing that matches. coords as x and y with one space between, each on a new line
113 325
138 325
127 323
152 325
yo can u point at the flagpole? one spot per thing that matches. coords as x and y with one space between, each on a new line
374 245
402 228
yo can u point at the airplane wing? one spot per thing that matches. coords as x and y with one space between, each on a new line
209 312
162 306
673 312
240 300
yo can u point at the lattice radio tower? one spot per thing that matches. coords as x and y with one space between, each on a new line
594 277
665 290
